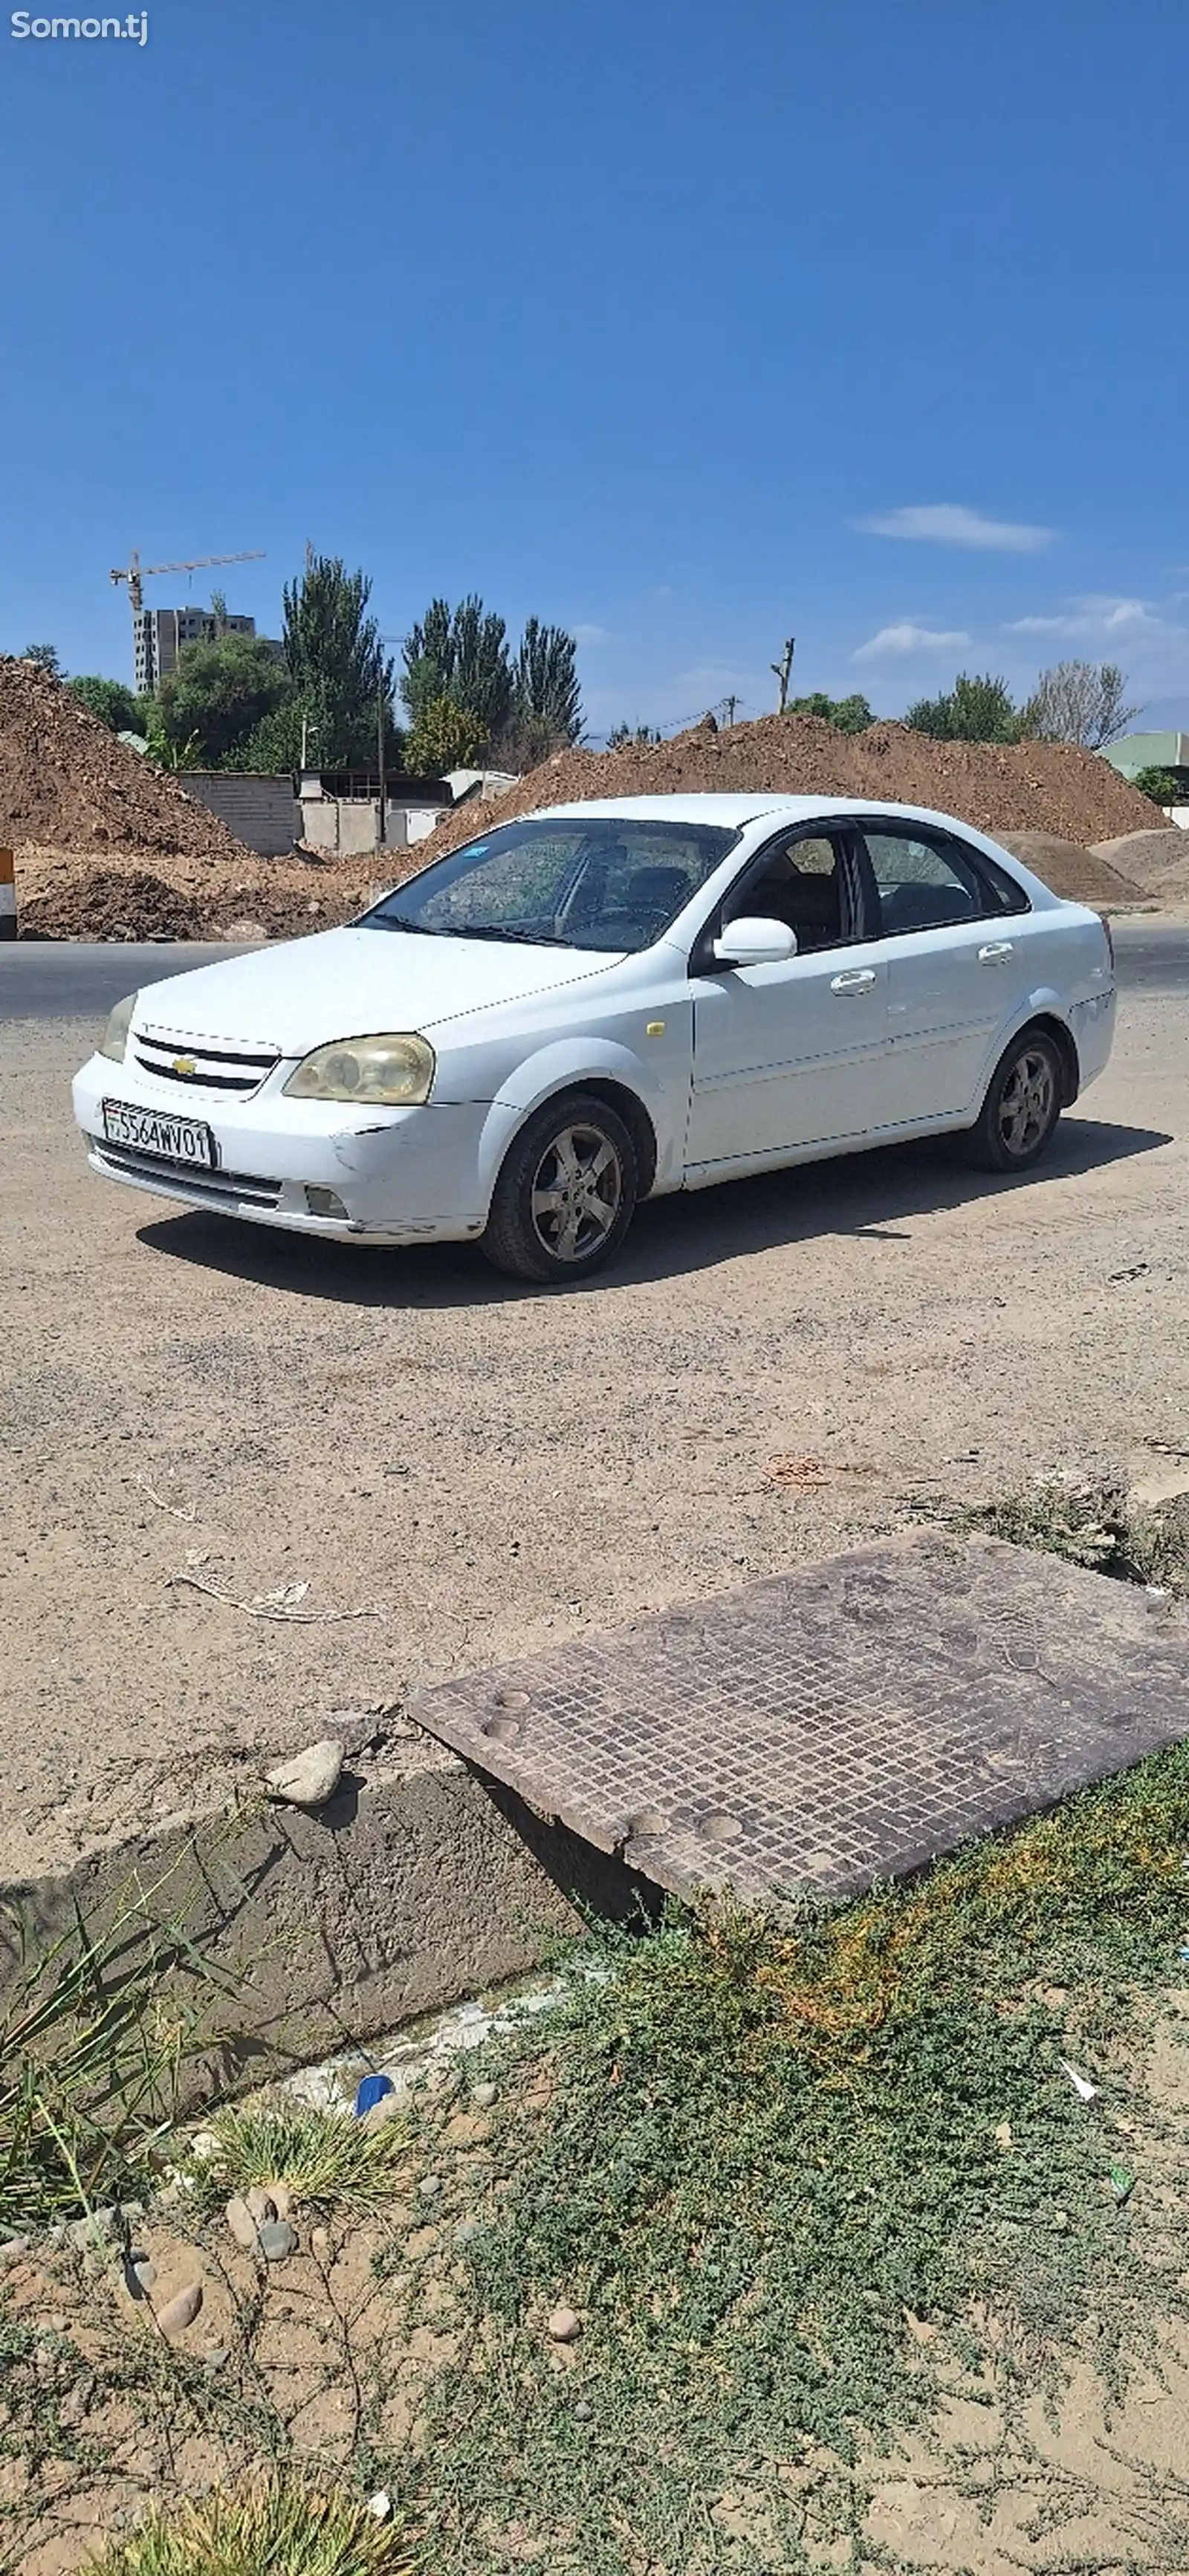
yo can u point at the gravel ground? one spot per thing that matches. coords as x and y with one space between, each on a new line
489 1470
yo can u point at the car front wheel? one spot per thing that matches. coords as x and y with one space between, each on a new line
566 1193
1022 1106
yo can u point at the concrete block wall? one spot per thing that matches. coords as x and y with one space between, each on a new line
262 811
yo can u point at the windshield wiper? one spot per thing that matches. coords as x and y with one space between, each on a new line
525 938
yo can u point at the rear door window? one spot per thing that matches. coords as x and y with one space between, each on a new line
932 881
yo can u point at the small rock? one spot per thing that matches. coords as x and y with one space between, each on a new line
261 2205
378 2114
277 2240
565 2326
466 2231
205 2146
380 2505
139 2275
320 2244
308 1779
180 2312
242 2224
216 2357
429 2186
483 2095
583 2410
12 2249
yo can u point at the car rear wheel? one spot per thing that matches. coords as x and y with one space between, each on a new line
566 1194
1022 1106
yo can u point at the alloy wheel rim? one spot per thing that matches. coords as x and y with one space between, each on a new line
576 1193
1026 1104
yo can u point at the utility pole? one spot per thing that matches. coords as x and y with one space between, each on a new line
730 704
381 712
782 672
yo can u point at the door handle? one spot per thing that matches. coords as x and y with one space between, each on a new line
996 952
859 979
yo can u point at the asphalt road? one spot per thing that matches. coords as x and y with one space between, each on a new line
68 979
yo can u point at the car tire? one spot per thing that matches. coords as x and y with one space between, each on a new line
566 1192
1023 1104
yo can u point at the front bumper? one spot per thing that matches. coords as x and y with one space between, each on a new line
401 1175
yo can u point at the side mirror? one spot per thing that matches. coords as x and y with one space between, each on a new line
755 943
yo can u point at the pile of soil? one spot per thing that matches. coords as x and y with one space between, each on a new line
1082 876
64 894
65 779
1158 861
1049 787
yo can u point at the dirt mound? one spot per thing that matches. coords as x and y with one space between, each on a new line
1084 876
65 779
67 894
1158 861
1019 787
112 903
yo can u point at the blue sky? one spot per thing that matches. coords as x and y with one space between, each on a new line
690 327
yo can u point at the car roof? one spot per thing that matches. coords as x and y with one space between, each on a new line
734 811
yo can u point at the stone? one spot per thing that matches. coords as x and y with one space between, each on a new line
466 2231
143 2273
380 2113
261 2205
277 2240
429 2186
483 2095
12 2249
583 2410
320 2244
241 2223
205 2146
307 1779
180 2312
215 2358
380 2505
565 2326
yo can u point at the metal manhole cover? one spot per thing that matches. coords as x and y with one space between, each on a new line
839 1724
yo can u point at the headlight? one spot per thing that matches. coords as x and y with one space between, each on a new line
391 1073
115 1035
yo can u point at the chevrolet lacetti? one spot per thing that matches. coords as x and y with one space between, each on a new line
605 1002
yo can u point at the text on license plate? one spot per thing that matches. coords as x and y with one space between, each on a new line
148 1131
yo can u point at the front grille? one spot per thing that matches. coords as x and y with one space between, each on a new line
190 1180
200 1066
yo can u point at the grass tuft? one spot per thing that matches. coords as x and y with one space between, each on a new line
95 2030
279 2527
325 2158
1090 1521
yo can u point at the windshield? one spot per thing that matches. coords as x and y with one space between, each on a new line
604 883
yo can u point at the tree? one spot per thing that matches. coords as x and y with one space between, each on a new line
1079 702
548 693
847 715
626 737
216 693
1164 786
109 700
335 657
461 654
442 736
47 656
979 709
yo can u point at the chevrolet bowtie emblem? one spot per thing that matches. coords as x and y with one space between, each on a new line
185 1065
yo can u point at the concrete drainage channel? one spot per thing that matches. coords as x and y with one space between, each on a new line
800 1738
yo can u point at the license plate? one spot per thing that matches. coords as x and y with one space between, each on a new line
147 1131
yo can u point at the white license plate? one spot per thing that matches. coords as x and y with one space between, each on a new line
147 1131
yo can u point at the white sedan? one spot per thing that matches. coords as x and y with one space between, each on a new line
604 1002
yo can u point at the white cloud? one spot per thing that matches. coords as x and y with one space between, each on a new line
897 643
1094 620
592 635
951 523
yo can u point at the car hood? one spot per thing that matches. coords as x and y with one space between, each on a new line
354 983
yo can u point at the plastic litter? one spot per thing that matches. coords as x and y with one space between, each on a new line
372 2089
1122 2184
1085 2090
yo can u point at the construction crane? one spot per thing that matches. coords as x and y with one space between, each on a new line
134 574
